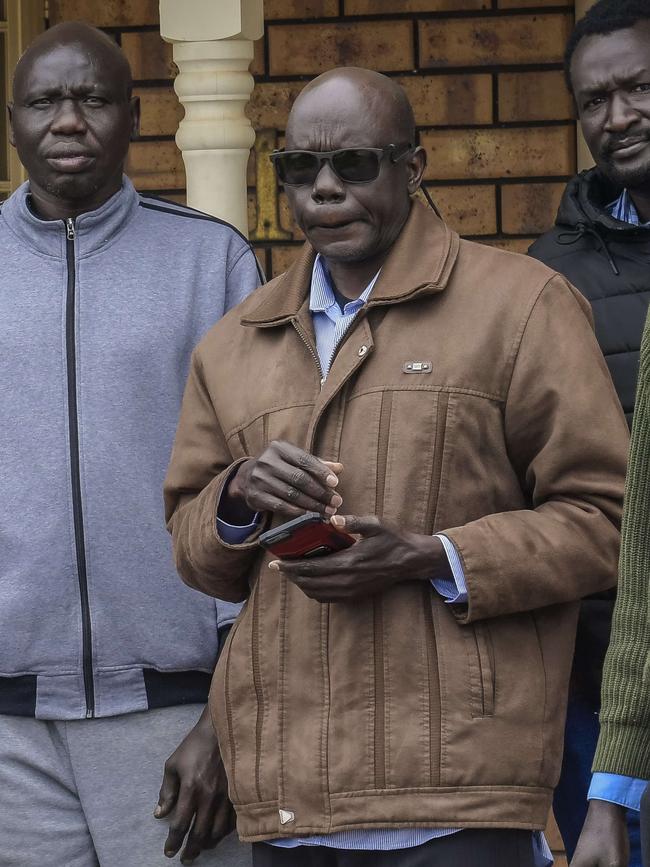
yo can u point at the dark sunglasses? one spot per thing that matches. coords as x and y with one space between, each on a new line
351 165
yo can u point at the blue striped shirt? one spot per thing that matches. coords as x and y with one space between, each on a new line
624 209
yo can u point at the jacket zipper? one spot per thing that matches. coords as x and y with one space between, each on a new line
382 450
312 352
436 472
73 427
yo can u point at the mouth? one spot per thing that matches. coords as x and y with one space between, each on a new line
627 148
332 225
71 162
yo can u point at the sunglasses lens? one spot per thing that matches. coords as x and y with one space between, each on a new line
356 165
297 168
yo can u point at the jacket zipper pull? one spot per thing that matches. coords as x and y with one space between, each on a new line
69 229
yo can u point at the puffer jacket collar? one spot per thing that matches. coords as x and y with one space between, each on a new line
585 201
420 263
583 211
93 230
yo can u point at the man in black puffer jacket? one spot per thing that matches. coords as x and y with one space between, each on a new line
607 259
601 243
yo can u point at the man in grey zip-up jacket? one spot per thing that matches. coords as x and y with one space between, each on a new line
105 656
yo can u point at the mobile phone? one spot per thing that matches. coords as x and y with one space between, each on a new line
306 536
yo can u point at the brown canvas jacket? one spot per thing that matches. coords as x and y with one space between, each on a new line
397 711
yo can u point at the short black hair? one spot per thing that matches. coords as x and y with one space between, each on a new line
605 16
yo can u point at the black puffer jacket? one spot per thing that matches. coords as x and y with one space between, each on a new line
609 261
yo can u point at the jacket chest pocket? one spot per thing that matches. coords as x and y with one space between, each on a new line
289 423
401 436
480 659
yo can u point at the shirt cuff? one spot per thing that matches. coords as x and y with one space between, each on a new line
235 534
452 590
625 791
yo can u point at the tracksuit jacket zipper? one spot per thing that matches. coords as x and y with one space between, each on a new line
73 425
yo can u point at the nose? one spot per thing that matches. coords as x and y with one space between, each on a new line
328 187
68 119
620 114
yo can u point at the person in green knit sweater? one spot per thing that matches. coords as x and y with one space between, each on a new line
624 742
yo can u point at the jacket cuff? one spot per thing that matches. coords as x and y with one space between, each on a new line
260 525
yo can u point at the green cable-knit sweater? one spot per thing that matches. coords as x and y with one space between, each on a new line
624 743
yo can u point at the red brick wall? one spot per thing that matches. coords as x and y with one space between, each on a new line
484 77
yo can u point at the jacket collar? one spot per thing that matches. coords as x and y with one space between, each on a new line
585 202
93 230
420 263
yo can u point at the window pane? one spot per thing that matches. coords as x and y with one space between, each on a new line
3 11
4 144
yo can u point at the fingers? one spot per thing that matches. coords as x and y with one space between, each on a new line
168 793
307 472
325 579
289 480
180 822
334 564
296 489
200 834
213 821
224 821
365 527
363 569
335 466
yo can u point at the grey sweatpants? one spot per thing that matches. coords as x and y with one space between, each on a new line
82 793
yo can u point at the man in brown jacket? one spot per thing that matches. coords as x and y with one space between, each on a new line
372 702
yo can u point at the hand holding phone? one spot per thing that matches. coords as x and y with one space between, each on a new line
306 536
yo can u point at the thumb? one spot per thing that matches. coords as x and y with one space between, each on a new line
168 794
370 525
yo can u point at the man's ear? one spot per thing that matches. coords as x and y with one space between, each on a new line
416 163
10 113
134 106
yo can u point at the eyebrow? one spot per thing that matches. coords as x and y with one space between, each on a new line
627 77
58 90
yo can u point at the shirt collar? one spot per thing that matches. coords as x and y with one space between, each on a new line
321 297
623 209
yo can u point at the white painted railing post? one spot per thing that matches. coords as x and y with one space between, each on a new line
213 48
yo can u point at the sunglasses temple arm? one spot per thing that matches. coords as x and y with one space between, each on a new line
432 204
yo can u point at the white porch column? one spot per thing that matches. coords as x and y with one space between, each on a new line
213 48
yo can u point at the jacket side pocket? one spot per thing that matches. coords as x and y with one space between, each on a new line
221 711
482 680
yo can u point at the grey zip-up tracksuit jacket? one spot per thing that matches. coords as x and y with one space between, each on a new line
98 317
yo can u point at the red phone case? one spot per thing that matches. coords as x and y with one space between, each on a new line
308 536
